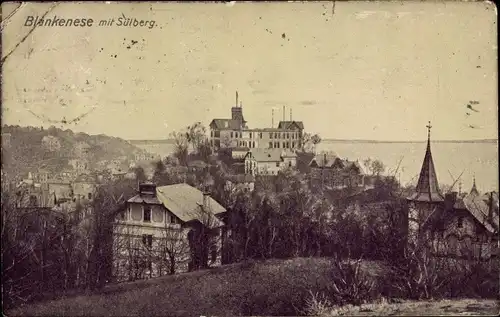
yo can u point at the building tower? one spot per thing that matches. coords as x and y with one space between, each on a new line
427 197
237 113
474 190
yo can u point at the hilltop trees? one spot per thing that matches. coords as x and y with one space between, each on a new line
310 141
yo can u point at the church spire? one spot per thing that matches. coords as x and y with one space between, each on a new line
427 187
474 190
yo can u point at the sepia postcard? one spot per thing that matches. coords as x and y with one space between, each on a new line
249 158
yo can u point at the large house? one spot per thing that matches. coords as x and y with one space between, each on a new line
160 232
329 170
452 225
269 161
234 132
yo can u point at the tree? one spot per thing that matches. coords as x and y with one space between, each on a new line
226 141
376 167
315 140
173 247
204 150
309 142
140 174
196 135
181 146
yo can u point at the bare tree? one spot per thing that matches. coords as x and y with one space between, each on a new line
196 135
173 247
181 146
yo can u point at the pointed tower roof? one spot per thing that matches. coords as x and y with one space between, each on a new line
427 187
474 190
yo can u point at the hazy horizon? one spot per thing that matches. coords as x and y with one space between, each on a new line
361 70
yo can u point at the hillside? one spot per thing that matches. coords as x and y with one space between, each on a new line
270 288
32 148
274 287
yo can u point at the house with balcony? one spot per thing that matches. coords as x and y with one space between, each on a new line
167 229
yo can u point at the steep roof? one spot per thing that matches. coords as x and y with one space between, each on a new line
145 199
427 187
225 124
288 125
323 159
474 190
185 202
479 207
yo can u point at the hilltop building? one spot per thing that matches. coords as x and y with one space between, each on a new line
269 161
234 132
452 225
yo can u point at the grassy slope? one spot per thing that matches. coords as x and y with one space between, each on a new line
469 307
270 288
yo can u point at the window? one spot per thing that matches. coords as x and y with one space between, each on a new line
260 135
147 240
277 164
136 212
250 135
270 135
460 222
213 253
231 134
90 195
270 145
147 213
289 164
158 215
173 219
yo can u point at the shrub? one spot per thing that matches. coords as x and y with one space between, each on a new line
350 283
316 305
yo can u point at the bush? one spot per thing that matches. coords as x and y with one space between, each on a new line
350 283
316 305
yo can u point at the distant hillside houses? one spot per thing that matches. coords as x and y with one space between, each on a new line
234 132
81 149
145 156
51 143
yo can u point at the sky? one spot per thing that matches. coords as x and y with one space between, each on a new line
353 70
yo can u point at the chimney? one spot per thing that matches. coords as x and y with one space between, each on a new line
206 201
272 118
290 114
283 113
450 200
147 189
236 98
